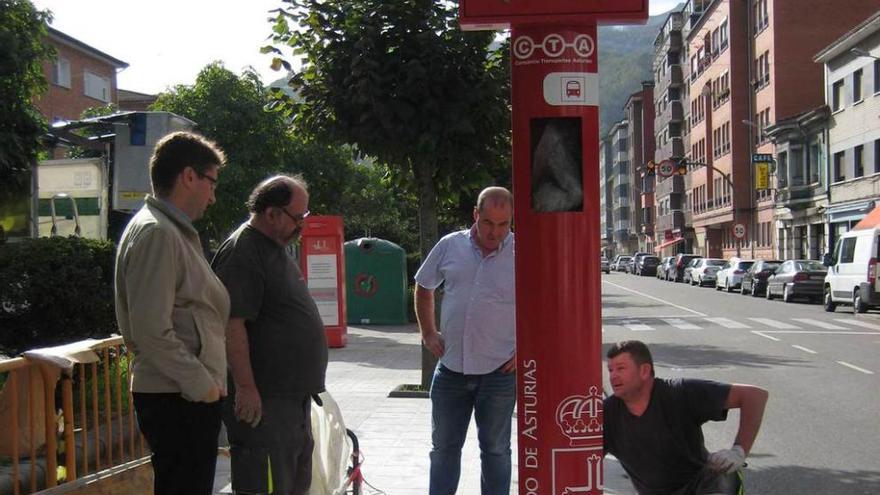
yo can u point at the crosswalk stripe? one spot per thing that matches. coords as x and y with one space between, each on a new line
775 324
680 324
727 323
637 326
819 323
858 323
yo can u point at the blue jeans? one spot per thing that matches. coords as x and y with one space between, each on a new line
491 398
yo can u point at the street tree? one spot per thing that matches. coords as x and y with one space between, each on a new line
23 50
407 86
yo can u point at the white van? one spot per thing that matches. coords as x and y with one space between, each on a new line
852 271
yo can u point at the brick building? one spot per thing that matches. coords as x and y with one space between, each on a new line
639 113
749 66
80 77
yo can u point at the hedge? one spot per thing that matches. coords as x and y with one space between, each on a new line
55 291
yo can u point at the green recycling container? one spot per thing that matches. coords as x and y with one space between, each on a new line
375 282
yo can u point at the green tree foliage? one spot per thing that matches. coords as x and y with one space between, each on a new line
55 290
22 53
230 109
406 85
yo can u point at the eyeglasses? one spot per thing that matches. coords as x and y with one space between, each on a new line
295 218
212 180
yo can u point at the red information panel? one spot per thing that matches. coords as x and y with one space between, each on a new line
501 14
323 265
558 296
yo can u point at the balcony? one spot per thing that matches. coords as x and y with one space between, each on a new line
676 75
676 111
793 197
669 185
672 221
673 148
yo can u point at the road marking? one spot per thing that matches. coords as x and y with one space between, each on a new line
680 324
762 334
654 298
819 332
636 326
819 323
805 349
775 324
859 323
852 366
727 323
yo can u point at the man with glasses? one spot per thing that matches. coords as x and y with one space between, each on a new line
172 312
276 344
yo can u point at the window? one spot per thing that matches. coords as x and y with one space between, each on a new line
723 35
61 72
848 250
837 95
877 76
877 156
838 167
858 163
96 86
857 86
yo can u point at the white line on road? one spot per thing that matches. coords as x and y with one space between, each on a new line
819 332
852 366
654 298
819 323
858 323
762 334
636 326
727 323
680 324
804 349
775 324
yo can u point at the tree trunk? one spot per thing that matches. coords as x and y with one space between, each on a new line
427 238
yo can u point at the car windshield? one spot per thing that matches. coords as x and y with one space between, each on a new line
745 265
811 266
715 262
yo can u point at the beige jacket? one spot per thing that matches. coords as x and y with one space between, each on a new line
171 308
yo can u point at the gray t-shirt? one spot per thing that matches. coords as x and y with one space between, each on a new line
663 450
288 345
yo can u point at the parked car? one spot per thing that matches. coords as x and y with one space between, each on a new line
681 262
620 263
852 271
704 269
797 278
686 278
730 276
647 265
605 265
663 269
631 267
754 281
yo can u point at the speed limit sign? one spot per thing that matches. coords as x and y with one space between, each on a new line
666 168
739 231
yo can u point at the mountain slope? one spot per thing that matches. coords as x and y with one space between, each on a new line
626 54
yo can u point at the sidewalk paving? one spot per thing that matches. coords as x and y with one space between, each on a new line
395 433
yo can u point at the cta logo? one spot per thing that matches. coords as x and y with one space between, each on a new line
553 45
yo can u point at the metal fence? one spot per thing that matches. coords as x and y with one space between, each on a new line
82 423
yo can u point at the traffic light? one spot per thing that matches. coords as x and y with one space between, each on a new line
681 167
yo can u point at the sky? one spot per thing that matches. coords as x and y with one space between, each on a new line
167 42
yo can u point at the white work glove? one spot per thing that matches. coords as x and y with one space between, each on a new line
727 461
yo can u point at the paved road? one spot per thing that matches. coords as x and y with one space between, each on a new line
821 431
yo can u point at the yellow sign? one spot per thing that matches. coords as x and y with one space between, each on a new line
762 176
132 195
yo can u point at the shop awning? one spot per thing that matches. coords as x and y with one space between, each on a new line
669 243
870 221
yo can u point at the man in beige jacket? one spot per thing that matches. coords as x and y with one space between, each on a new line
172 312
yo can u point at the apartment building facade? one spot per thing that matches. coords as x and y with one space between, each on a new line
622 194
639 114
79 78
852 88
606 218
671 234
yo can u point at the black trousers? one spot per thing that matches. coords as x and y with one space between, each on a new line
182 436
